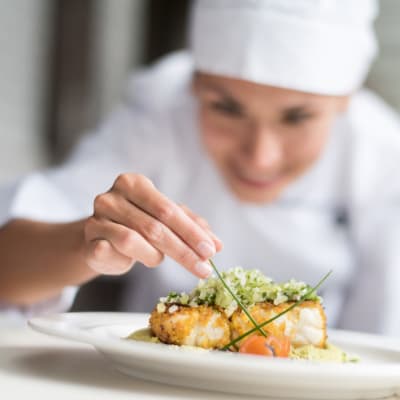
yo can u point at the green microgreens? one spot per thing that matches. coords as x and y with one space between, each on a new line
302 299
256 326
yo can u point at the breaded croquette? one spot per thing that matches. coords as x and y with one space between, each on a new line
210 328
305 324
201 326
210 317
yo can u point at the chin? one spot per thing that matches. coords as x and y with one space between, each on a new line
256 197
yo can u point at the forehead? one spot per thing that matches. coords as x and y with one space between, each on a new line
247 92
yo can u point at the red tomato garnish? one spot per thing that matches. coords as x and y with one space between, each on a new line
256 344
280 344
270 346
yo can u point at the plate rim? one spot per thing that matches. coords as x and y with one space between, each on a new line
55 324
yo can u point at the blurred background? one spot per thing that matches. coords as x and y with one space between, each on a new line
63 67
64 64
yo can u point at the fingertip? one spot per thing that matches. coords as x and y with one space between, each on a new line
218 245
202 269
216 240
206 249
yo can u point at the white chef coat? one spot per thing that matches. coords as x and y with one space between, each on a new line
343 214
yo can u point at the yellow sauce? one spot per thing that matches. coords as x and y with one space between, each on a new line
143 335
330 353
309 352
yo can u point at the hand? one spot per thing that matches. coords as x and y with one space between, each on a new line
133 221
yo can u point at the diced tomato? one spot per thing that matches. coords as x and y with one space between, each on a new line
280 344
270 346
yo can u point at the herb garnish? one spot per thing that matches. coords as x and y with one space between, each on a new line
258 327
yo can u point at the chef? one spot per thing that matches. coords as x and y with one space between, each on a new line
257 146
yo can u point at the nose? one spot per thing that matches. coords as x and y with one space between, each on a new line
263 149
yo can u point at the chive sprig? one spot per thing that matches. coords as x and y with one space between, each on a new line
236 298
296 304
258 327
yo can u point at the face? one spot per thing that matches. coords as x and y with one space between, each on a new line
261 138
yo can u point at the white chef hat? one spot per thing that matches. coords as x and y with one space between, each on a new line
317 46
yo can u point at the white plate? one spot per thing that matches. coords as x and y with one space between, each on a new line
376 376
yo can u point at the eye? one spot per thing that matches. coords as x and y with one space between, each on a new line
295 118
227 108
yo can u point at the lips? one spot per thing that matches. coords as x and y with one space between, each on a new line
259 183
265 184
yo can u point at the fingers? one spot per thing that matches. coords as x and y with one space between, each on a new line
135 222
145 196
159 236
204 224
127 242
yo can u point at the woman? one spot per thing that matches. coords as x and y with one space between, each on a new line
262 130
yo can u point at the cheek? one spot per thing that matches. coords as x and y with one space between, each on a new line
218 136
308 146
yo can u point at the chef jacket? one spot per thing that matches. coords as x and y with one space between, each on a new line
343 214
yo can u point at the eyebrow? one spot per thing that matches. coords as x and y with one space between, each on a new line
301 108
297 109
224 93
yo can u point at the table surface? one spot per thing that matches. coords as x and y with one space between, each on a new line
37 366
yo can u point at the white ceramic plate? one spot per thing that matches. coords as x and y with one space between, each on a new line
376 376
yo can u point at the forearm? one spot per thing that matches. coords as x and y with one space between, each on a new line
37 260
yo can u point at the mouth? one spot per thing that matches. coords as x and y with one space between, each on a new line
259 183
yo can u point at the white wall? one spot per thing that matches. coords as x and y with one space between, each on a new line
118 35
385 74
23 49
25 35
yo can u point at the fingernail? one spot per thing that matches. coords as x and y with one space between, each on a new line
206 249
215 237
203 269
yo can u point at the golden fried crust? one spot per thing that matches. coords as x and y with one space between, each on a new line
201 326
305 324
210 328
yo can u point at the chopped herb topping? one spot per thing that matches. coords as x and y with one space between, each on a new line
250 286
